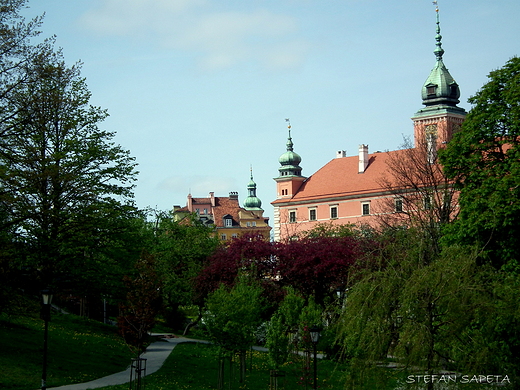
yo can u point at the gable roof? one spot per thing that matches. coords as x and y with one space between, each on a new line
340 177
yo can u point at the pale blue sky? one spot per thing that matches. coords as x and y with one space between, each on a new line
198 90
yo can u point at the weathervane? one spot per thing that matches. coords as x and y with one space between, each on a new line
288 126
435 3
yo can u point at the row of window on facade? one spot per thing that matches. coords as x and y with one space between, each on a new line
228 222
223 236
333 211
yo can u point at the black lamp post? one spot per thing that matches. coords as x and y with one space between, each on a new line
315 336
46 316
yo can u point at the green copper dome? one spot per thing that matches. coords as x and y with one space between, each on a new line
290 157
252 202
440 87
290 160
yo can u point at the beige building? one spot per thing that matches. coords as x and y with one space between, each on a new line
225 214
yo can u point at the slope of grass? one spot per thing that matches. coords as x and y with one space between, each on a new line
79 350
194 366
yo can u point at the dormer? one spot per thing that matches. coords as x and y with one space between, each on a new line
227 220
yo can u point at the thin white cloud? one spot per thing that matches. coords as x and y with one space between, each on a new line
218 39
198 186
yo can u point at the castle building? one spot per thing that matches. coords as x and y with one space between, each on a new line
225 214
350 190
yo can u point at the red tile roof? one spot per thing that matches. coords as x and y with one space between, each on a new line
340 177
201 200
224 206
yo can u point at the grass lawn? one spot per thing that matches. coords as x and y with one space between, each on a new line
79 350
194 366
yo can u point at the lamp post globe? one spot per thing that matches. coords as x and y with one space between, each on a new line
46 316
47 297
315 336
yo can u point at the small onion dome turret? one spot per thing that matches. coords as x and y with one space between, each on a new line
290 160
252 202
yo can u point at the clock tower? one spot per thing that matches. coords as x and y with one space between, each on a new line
435 124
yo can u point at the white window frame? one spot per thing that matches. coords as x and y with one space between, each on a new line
313 210
333 207
363 206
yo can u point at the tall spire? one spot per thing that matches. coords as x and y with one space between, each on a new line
289 140
441 117
440 88
439 51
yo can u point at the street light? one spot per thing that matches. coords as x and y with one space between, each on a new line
315 336
46 316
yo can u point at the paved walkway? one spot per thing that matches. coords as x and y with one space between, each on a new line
155 355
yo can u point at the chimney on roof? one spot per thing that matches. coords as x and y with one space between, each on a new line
189 203
212 199
363 158
341 153
233 195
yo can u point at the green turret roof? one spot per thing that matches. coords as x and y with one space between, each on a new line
440 88
252 202
290 160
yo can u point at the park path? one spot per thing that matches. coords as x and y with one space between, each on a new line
155 355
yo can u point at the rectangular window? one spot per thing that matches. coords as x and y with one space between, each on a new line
223 237
365 208
234 235
254 223
312 214
333 212
228 222
248 224
292 216
398 205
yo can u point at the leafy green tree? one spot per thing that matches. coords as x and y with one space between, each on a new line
277 341
233 315
484 161
64 181
17 52
283 327
181 250
416 312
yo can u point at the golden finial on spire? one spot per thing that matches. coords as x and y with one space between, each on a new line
436 4
288 123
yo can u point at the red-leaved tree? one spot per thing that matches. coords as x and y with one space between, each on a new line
313 265
318 265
